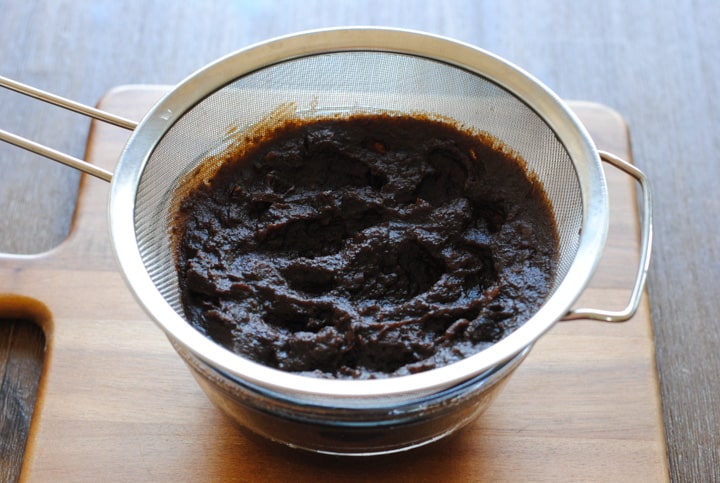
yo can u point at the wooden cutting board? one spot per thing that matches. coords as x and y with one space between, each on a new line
116 403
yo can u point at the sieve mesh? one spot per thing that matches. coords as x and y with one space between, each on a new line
348 82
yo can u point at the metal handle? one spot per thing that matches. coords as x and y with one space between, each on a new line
53 154
645 248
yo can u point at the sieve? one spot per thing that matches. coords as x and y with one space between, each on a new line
324 73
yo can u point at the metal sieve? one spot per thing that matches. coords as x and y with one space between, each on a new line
346 71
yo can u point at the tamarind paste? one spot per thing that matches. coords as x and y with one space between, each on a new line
365 246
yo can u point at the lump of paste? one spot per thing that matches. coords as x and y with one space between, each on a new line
363 247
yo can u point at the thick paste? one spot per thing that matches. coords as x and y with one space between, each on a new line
363 247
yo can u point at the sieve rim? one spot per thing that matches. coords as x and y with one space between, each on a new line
545 103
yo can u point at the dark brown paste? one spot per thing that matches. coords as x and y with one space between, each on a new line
367 246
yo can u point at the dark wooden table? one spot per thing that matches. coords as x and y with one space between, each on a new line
655 62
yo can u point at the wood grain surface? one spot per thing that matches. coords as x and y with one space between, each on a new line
652 61
116 401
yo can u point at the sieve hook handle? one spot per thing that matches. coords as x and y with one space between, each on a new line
70 105
645 248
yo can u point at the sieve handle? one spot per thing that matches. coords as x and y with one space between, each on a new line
645 248
53 154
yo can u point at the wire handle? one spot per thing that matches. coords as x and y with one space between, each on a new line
73 106
645 249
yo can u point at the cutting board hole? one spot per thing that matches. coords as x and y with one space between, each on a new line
22 357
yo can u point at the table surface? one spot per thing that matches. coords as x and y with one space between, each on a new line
652 61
